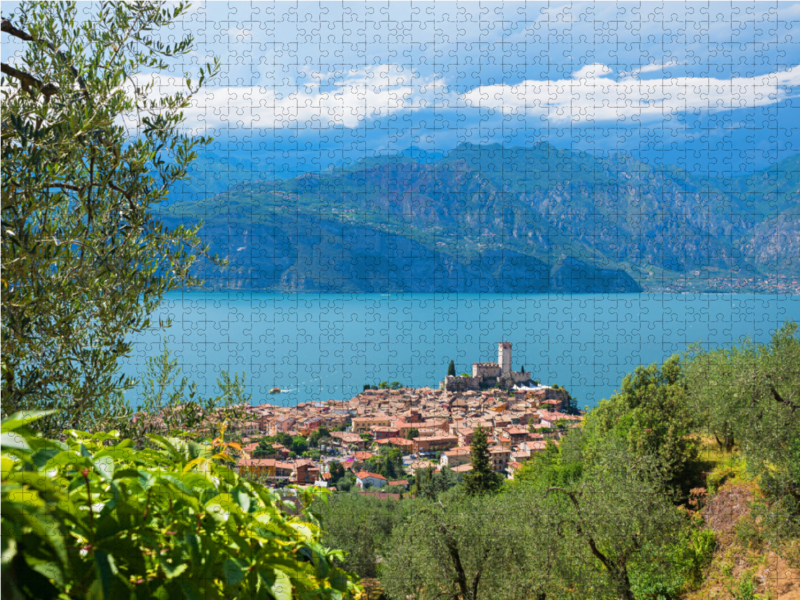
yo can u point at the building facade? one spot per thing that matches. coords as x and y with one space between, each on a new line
365 423
489 374
434 443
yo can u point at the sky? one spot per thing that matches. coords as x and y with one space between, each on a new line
308 86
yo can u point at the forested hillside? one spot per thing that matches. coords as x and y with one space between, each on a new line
496 219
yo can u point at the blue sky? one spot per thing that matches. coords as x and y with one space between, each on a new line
310 85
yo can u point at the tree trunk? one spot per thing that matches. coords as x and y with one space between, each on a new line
729 442
624 591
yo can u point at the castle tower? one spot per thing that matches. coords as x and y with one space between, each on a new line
504 357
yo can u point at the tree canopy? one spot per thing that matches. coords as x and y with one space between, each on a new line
90 145
651 414
749 395
264 450
481 479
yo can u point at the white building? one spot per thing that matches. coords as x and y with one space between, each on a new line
365 478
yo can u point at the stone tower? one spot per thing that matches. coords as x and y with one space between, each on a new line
504 357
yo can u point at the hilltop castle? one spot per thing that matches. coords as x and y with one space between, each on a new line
489 374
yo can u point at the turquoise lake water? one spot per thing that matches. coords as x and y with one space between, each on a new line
327 346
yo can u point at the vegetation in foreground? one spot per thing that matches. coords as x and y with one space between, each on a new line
93 517
633 505
636 504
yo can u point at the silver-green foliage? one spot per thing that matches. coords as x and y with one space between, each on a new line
90 145
470 547
750 395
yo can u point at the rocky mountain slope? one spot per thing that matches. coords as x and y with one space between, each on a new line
494 219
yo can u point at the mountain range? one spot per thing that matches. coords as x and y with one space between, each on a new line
488 218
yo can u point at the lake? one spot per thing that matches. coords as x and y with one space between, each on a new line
327 346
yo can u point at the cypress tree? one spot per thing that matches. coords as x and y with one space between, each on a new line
451 370
482 479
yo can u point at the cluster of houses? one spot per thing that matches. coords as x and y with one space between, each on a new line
432 428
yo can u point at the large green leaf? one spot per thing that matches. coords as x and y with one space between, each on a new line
104 466
23 419
235 570
191 528
13 441
282 588
21 508
170 570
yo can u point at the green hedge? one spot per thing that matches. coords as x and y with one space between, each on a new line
93 517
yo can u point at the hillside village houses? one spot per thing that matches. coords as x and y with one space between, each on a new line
445 422
519 421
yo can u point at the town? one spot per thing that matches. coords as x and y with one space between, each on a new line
382 437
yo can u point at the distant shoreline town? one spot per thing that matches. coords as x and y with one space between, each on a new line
426 428
772 284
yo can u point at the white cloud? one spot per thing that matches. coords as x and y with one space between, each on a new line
592 71
349 98
651 68
238 33
592 95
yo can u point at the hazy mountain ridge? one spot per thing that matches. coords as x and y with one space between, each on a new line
493 219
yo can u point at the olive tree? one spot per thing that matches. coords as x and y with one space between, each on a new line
616 516
467 547
772 444
361 526
752 393
719 385
651 415
90 146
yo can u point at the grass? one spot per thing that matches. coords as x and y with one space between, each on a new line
743 558
721 466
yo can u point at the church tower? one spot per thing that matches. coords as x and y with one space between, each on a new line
504 357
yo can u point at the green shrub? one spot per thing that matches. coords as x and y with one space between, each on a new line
732 468
667 572
696 555
747 588
92 517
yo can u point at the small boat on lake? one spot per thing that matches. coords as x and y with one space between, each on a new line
275 391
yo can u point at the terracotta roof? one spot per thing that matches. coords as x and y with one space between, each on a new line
397 441
516 430
365 474
457 452
536 445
